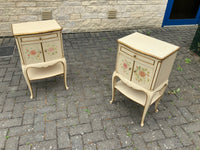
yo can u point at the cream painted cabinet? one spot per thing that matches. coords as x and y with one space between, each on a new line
41 50
143 67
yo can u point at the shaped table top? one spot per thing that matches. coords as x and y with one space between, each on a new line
148 45
35 27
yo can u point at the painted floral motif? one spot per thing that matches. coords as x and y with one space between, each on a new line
126 66
142 74
51 49
33 54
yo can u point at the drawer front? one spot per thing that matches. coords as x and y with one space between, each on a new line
143 74
124 65
49 36
30 39
32 53
39 37
52 50
137 55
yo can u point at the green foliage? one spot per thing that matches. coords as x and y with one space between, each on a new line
110 49
187 60
87 110
179 68
174 91
195 46
128 133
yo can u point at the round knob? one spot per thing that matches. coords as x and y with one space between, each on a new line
134 56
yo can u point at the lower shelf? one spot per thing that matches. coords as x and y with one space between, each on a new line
135 95
45 72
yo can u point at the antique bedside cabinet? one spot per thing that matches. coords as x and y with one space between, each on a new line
143 67
41 50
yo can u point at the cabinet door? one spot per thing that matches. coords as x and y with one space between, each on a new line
52 50
124 65
32 53
143 74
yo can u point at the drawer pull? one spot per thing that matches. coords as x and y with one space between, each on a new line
129 68
134 56
45 50
135 71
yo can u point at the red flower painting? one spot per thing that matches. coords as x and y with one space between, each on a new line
142 74
125 65
33 52
51 49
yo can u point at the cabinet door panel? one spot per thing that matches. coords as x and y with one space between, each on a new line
52 50
32 53
142 74
124 65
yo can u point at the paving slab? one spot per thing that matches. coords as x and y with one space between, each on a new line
82 117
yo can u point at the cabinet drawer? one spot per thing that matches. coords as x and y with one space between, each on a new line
137 55
49 36
39 37
30 39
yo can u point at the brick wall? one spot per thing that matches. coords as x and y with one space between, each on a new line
84 15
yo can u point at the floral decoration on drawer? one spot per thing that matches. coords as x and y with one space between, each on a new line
142 74
126 66
51 50
33 54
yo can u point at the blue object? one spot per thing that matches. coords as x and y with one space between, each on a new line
167 21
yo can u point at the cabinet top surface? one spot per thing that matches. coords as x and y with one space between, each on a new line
148 45
35 27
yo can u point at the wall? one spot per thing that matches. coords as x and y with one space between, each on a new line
84 15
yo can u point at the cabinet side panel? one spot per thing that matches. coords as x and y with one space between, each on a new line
17 39
165 70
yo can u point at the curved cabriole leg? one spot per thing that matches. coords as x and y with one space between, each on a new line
65 74
113 88
146 107
28 83
156 105
158 101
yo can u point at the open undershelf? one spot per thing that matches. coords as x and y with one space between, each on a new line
45 72
135 95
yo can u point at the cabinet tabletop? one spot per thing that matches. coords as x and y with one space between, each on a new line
35 27
148 45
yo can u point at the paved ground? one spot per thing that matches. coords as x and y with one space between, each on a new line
82 117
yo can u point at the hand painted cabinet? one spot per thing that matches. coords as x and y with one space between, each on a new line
41 50
143 66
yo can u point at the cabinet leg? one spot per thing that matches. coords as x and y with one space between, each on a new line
158 101
65 80
156 105
113 89
113 95
65 74
146 107
28 83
